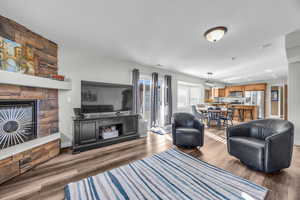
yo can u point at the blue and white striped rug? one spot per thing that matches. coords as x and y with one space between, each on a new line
169 175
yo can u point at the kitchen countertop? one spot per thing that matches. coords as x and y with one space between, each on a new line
232 104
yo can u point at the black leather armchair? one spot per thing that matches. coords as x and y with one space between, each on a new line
187 131
265 145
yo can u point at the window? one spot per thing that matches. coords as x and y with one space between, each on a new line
189 94
183 96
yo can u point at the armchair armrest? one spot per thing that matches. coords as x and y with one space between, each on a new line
278 150
198 125
173 130
238 130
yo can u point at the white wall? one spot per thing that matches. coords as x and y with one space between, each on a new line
79 66
293 54
294 98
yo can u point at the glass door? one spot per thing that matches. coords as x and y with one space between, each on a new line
145 99
160 104
145 83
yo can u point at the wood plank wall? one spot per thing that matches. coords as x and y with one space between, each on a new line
45 66
45 60
22 162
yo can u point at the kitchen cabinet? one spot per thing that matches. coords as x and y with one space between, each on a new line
221 92
208 95
218 92
256 87
233 88
237 88
243 88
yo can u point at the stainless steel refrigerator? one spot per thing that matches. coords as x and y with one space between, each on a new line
256 98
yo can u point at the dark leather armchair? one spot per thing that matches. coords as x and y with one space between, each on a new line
265 145
187 131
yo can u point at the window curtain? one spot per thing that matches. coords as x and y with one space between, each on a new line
136 96
154 99
168 99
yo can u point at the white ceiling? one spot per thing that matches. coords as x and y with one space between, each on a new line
170 32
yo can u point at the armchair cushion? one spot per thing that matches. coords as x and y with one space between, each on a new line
184 120
187 131
249 150
260 132
188 136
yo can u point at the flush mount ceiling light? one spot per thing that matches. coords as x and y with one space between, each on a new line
215 34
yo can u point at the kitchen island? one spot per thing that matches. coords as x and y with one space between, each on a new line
242 112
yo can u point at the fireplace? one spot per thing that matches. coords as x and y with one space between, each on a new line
18 122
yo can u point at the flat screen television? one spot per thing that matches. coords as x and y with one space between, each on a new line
105 97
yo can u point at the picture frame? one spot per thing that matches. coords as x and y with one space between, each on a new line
274 95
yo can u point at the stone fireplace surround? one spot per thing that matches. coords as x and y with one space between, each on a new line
17 159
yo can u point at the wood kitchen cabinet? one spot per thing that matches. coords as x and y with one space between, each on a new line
242 88
208 95
218 92
256 87
221 92
233 88
237 88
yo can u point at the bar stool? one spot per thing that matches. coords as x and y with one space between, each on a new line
240 112
248 111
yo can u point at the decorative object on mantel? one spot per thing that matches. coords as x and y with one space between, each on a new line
15 57
58 77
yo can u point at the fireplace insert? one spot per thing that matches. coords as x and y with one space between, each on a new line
18 122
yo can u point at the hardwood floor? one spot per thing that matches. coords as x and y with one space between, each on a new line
47 181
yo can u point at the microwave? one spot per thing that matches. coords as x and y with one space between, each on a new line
236 94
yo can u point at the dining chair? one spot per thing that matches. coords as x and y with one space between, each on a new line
199 115
228 118
214 116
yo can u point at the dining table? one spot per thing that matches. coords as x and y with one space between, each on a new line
213 114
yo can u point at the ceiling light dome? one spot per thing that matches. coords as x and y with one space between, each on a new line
215 34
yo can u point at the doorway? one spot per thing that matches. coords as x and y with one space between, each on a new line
145 84
278 101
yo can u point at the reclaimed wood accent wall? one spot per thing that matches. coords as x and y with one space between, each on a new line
45 65
22 162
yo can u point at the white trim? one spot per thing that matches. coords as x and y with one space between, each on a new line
13 78
13 150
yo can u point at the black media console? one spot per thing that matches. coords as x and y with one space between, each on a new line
91 133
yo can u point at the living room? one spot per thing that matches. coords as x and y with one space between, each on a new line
97 100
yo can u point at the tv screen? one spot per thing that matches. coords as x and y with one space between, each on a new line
105 97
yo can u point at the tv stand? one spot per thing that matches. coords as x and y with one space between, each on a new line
104 130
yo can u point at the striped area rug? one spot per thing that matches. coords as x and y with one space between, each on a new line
169 175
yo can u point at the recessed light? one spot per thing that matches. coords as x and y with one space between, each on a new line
215 34
268 70
264 46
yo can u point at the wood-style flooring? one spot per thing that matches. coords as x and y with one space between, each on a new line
47 181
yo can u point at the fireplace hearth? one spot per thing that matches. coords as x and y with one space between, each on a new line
18 122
